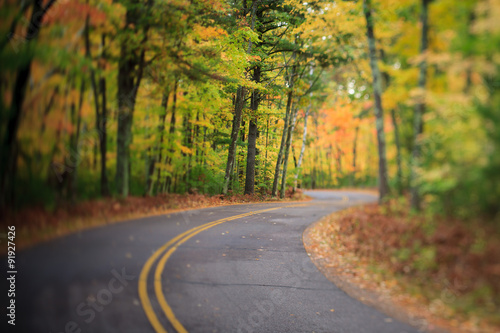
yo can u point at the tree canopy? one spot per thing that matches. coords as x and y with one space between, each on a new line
144 97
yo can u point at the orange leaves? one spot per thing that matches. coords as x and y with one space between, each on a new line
340 122
207 33
71 11
344 138
186 150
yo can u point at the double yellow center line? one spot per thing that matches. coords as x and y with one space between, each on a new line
165 252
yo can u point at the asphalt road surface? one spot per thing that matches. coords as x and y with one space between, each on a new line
240 268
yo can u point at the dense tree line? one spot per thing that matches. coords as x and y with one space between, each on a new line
144 97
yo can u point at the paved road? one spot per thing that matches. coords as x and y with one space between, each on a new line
245 272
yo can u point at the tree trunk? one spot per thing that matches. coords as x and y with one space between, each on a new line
157 150
377 92
302 149
171 132
293 156
282 145
130 69
188 142
267 144
251 153
238 110
231 155
252 139
100 110
287 151
103 138
76 119
398 152
252 136
418 124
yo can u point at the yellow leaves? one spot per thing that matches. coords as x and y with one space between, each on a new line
208 33
332 19
392 99
186 150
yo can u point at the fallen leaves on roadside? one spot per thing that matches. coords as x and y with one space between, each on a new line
410 261
35 224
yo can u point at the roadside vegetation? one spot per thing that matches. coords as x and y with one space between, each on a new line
442 272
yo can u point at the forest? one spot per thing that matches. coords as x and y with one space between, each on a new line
104 98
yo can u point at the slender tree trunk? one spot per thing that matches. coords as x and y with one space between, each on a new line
171 134
130 70
158 149
252 128
76 119
398 152
302 149
304 135
100 104
103 138
241 158
290 128
293 156
418 124
287 151
267 143
96 153
282 144
231 156
252 136
316 164
188 142
377 92
251 153
196 135
102 121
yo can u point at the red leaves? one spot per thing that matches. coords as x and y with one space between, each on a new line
70 11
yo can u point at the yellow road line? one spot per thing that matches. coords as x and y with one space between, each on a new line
174 244
143 290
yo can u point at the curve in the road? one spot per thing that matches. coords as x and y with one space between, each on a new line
167 250
176 272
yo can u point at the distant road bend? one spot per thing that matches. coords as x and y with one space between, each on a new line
240 268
